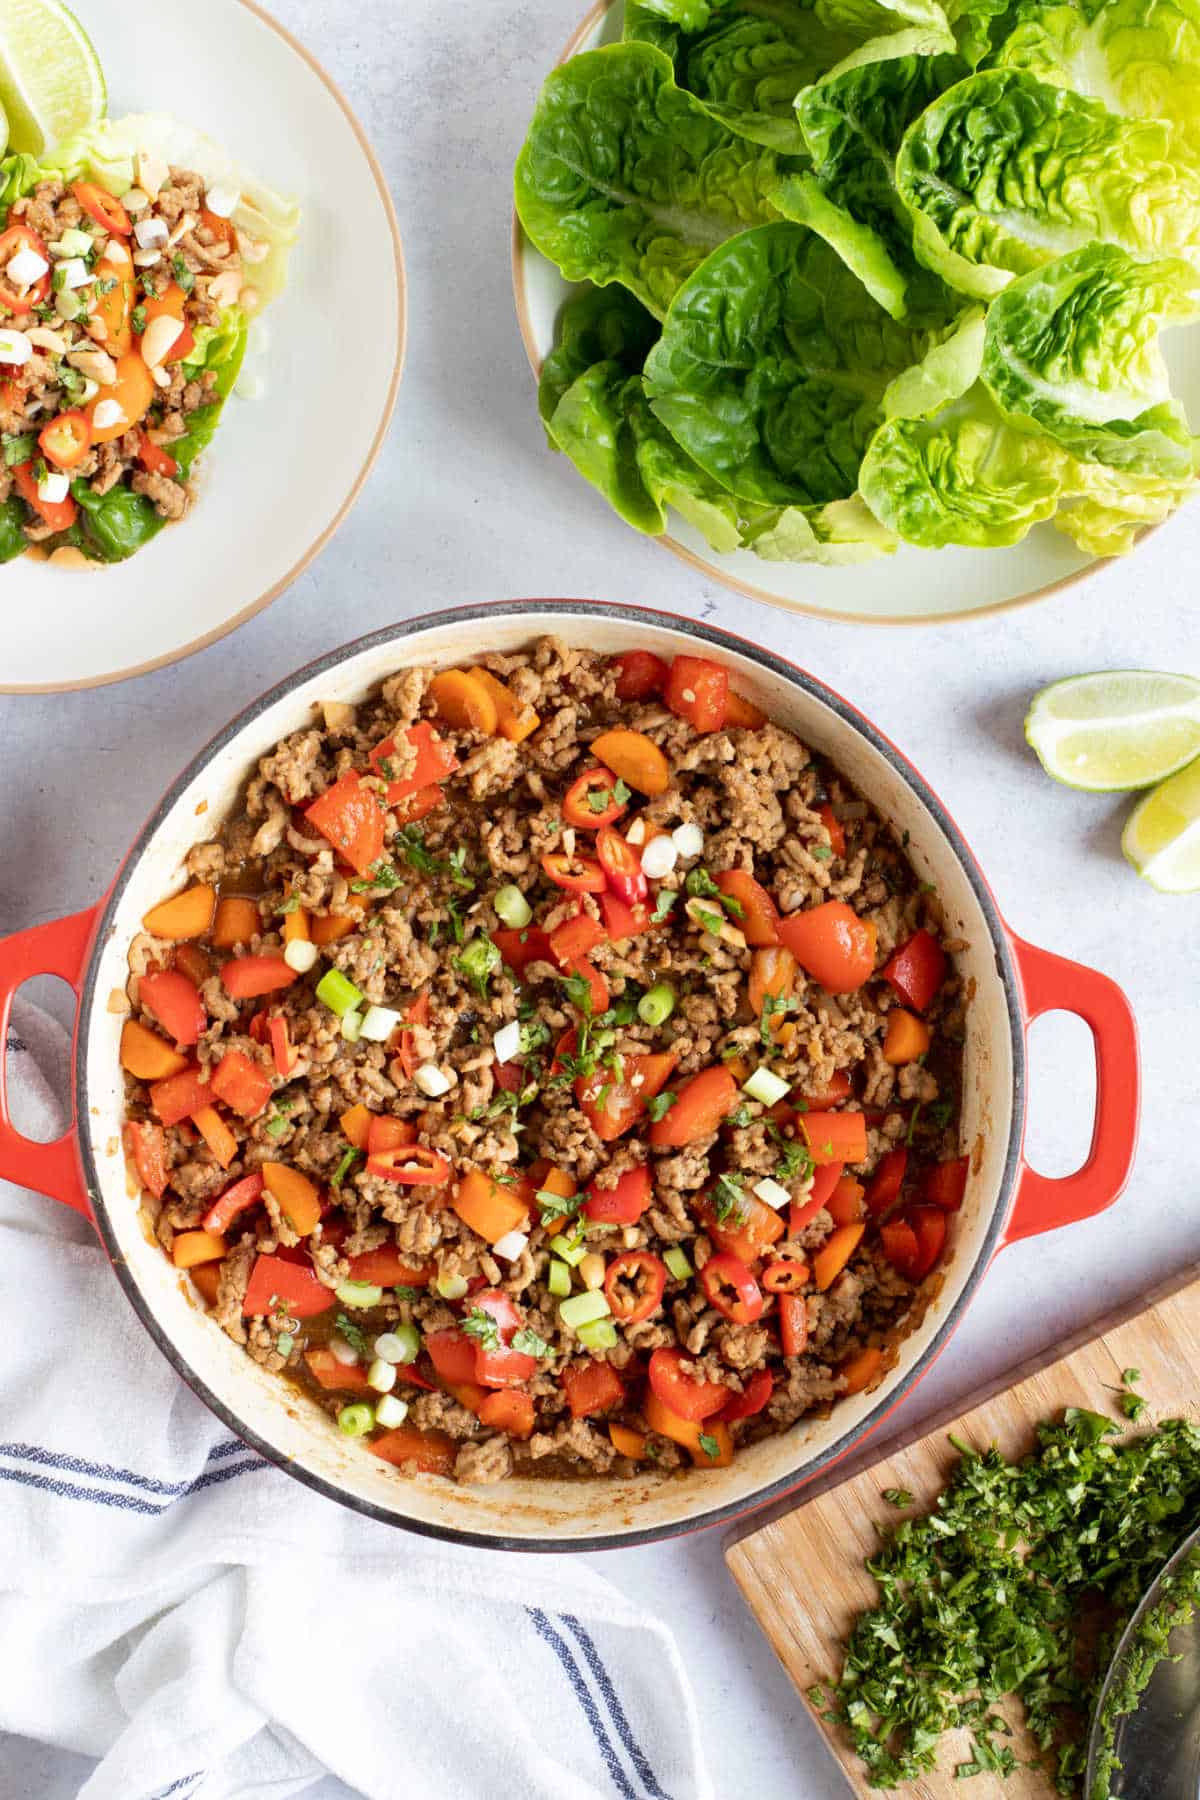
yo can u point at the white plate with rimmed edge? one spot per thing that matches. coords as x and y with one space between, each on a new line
283 470
913 587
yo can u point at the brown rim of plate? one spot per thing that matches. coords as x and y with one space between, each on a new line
712 568
335 524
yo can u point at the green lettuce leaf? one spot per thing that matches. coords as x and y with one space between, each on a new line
845 531
1138 59
106 153
12 537
19 175
598 325
1106 509
853 122
1072 349
1004 173
772 367
625 177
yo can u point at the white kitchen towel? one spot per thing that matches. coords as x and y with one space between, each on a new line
177 1608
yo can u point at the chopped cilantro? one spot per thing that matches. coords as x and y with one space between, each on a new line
382 875
727 1200
708 920
477 963
352 1333
659 1105
822 852
183 274
579 992
554 1206
912 1123
407 1293
941 1113
897 1497
740 1117
709 1445
457 867
18 448
663 906
533 1035
481 1326
700 885
138 320
773 1006
412 843
529 1343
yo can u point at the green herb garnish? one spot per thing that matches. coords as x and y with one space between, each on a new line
659 1105
477 963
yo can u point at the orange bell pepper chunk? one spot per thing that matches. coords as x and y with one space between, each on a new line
432 1452
742 714
860 1371
834 1136
298 1200
906 1039
356 1126
462 700
296 926
508 1410
186 915
207 1278
486 1207
330 928
147 1056
835 1253
627 1442
349 815
514 721
192 1247
348 1378
636 758
216 1134
237 921
688 1432
147 1144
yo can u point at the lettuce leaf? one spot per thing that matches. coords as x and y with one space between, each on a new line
1004 173
1140 60
625 177
19 175
1105 509
772 367
1072 349
106 153
599 325
12 537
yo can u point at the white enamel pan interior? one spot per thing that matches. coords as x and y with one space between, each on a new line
545 1514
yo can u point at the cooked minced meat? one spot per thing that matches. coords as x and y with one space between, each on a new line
552 1067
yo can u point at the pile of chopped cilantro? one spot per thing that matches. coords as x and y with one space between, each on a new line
1018 1583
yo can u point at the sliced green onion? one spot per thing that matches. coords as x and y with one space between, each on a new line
581 1309
352 1024
450 1287
766 1086
601 1334
391 1412
676 1260
275 1127
349 1158
338 992
285 1343
356 1421
571 1249
558 1279
358 1293
657 1004
381 1376
401 1345
512 906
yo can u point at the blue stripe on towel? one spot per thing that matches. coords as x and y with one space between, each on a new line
66 1490
612 1700
184 1781
545 1629
172 1490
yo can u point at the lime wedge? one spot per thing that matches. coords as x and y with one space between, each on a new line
51 82
1120 728
1162 838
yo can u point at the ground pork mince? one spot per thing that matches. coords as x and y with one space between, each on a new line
553 1068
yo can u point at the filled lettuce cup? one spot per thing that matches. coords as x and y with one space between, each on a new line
133 260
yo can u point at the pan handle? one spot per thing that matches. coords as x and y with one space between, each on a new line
59 948
1054 984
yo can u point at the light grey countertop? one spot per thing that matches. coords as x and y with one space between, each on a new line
467 505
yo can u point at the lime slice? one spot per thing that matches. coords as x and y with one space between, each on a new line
3 131
1120 728
1162 838
51 82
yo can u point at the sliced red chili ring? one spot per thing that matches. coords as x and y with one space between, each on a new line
622 866
414 1164
578 809
633 1285
100 205
752 1399
787 1276
66 439
793 1324
730 1287
579 874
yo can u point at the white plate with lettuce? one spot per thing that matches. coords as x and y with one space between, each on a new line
857 304
278 454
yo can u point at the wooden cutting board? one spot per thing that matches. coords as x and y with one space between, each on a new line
802 1572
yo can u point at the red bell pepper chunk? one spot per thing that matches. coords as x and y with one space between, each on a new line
698 691
59 515
946 1182
639 674
825 1180
793 1324
154 459
759 915
747 1231
833 944
575 937
435 760
147 1144
241 1084
591 1387
278 1286
900 1246
281 1047
385 1267
410 1061
613 1106
179 1096
623 1204
431 1452
837 1089
452 1354
236 1199
519 948
350 816
917 970
249 977
752 1399
887 1181
929 1223
598 995
702 1103
622 866
622 921
687 1398
835 828
508 1412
